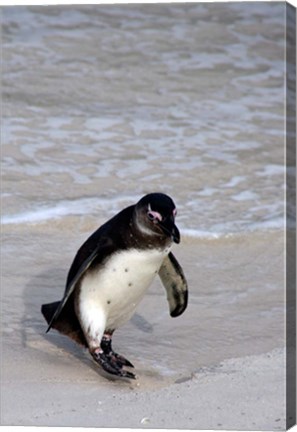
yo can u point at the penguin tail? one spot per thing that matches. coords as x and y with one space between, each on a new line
48 311
66 322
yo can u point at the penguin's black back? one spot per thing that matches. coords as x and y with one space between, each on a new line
111 237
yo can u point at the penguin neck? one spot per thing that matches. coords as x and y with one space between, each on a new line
145 238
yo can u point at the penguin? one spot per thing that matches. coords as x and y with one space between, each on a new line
110 274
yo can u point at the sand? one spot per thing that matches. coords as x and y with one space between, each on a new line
219 366
241 394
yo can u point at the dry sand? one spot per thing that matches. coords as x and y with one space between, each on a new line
219 366
241 394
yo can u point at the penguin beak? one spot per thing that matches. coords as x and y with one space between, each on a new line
175 234
169 228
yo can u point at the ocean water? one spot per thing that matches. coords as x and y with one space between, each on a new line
104 103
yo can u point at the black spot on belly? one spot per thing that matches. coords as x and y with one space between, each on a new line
126 270
130 284
108 301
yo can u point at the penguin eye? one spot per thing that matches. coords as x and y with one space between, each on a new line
150 216
154 216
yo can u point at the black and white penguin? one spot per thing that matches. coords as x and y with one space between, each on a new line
111 273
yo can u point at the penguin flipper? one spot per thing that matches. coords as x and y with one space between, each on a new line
174 281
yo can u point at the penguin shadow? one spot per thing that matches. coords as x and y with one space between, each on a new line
47 287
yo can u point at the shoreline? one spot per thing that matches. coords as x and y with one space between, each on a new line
215 353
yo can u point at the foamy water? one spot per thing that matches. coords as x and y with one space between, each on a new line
106 103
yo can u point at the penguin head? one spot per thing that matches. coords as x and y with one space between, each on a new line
155 214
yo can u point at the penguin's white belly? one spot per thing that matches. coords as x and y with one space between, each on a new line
116 288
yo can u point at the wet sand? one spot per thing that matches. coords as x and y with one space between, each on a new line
215 367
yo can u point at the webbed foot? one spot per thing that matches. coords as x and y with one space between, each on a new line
120 360
108 351
112 363
109 360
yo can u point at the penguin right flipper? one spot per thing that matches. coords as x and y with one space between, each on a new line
96 248
174 281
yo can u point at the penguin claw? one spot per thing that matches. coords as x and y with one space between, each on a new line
113 365
127 374
121 361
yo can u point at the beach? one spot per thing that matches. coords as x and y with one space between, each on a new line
103 104
216 366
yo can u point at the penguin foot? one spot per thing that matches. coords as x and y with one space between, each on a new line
112 364
120 360
108 351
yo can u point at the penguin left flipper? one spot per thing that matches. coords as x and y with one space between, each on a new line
174 281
